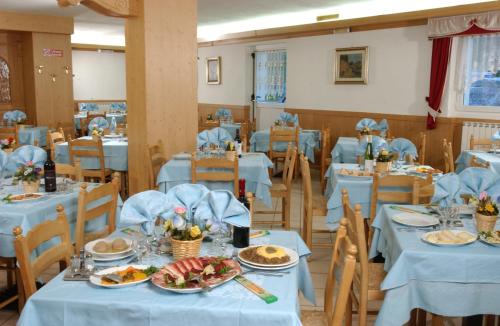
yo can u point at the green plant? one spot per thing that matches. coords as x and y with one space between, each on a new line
384 156
486 206
28 173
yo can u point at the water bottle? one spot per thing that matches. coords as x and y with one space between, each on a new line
113 125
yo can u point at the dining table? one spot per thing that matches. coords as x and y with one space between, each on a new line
253 167
454 281
115 154
78 303
309 140
490 157
345 149
29 135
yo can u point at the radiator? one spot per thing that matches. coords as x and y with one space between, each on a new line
479 130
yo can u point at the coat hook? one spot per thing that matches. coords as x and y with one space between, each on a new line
53 77
67 68
39 69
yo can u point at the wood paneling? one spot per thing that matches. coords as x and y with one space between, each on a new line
96 47
240 112
12 21
77 102
342 123
11 49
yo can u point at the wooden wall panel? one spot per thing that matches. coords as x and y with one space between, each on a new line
239 112
11 49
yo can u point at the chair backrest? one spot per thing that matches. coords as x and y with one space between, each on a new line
53 138
289 165
480 143
215 169
307 199
73 172
207 125
449 162
98 202
342 263
24 245
10 131
325 151
421 147
282 135
155 156
423 191
474 162
88 148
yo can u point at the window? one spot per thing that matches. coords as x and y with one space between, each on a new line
480 59
270 76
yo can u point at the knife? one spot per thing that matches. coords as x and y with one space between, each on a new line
257 290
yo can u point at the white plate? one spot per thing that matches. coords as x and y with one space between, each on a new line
294 258
268 268
97 281
181 156
426 235
27 199
104 259
112 136
89 247
415 219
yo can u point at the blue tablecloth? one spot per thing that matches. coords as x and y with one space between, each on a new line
28 135
344 150
448 281
252 166
78 118
115 155
231 128
79 303
31 213
308 141
463 160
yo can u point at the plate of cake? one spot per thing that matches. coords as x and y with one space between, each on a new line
268 257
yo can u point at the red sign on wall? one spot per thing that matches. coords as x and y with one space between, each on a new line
52 53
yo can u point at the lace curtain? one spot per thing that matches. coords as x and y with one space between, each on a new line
270 76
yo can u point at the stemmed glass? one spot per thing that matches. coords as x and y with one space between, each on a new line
448 215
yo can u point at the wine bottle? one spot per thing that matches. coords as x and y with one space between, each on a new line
49 168
237 140
369 155
242 193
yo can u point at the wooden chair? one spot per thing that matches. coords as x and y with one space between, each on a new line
155 156
449 162
8 264
342 264
90 148
10 131
368 275
281 135
250 199
93 204
53 138
325 156
245 135
484 144
314 209
30 269
74 172
226 170
421 148
283 190
207 125
383 191
474 162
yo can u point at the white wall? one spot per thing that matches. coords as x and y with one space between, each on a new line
99 75
398 80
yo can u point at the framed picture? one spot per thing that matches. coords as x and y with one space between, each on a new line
351 65
213 71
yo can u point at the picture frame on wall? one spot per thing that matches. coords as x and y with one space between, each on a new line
351 65
213 67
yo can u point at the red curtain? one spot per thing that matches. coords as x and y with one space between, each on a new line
439 65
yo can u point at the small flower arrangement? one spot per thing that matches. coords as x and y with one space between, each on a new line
7 143
277 122
486 206
96 131
365 131
21 121
210 117
179 228
384 156
28 173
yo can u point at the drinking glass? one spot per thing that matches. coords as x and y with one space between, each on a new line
141 249
89 263
74 264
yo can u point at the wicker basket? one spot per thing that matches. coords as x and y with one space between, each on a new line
184 249
485 223
31 187
383 167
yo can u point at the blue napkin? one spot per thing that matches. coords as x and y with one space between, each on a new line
223 113
476 180
186 195
287 117
98 122
378 144
143 208
27 153
216 136
403 147
119 106
88 107
221 206
447 190
366 122
496 136
3 160
383 126
14 116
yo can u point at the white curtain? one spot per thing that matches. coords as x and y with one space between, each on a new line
270 76
448 26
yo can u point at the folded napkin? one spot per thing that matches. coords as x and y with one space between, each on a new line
378 144
3 161
221 206
366 122
14 116
447 190
287 117
144 208
217 136
403 147
119 106
383 126
88 107
474 180
496 136
27 153
186 195
98 122
223 113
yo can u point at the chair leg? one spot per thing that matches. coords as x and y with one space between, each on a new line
437 320
20 291
421 317
286 210
348 311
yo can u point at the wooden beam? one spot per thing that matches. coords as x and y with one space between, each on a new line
97 47
13 21
412 18
113 8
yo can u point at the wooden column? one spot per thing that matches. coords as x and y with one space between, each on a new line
161 52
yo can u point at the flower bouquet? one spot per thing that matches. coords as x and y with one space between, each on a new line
97 131
7 144
29 175
384 162
365 131
486 213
